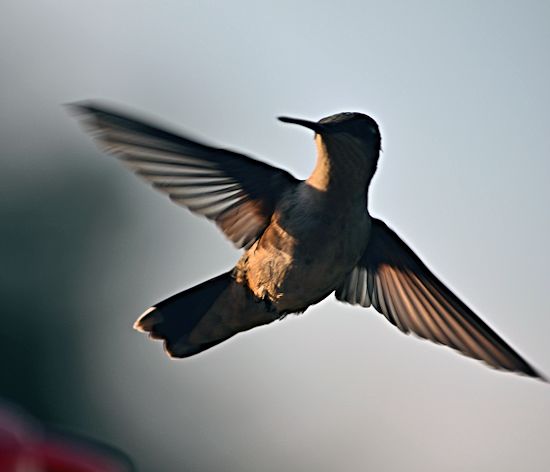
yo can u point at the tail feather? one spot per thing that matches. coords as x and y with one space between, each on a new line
203 316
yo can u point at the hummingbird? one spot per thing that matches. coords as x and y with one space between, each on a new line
303 240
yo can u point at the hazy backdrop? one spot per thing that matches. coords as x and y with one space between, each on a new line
461 92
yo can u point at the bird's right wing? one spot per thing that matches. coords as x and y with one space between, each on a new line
392 279
237 192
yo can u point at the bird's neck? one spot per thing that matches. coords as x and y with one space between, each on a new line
343 166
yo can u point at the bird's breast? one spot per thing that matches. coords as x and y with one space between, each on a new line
312 242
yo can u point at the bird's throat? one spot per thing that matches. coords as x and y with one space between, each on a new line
343 165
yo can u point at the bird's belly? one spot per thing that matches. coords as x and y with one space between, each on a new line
306 282
294 269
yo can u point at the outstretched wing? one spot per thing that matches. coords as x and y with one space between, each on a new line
237 192
392 279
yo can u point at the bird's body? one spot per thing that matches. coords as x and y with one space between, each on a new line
313 240
303 240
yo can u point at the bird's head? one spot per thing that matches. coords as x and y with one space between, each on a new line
346 142
347 125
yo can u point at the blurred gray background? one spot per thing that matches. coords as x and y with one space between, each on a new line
461 92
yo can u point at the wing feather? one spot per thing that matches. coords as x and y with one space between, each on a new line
411 297
235 191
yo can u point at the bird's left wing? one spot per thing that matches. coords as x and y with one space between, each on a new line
237 192
392 279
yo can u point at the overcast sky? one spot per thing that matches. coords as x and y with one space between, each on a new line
460 90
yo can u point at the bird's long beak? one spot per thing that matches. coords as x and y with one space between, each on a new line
317 127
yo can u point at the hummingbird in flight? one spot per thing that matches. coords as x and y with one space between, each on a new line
303 240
